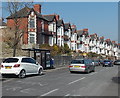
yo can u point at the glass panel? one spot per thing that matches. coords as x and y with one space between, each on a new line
77 62
10 60
32 23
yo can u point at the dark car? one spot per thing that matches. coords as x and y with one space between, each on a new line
101 62
107 63
96 62
117 62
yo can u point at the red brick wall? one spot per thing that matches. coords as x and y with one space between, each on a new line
45 26
23 25
39 26
46 31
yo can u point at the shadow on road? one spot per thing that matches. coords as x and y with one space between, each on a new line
79 73
116 80
14 76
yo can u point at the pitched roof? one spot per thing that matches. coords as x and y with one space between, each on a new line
67 25
24 12
80 32
49 17
73 30
101 39
92 37
59 23
21 13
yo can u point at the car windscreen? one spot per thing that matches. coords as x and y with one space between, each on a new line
10 60
77 62
117 61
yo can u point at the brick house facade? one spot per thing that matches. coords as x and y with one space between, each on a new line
34 25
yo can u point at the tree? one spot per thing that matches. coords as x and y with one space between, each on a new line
13 7
66 49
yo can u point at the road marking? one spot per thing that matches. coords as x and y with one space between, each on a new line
13 88
67 95
28 90
93 73
8 80
76 80
102 70
50 92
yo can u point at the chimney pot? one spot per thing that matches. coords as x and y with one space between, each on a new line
37 8
57 17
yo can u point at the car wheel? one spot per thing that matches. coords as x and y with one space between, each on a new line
22 74
40 72
93 70
88 71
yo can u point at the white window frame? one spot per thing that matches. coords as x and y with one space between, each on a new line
29 38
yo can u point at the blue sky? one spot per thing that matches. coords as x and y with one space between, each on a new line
98 17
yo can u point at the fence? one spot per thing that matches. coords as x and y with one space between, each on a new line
60 61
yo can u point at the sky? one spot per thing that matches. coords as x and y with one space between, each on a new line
98 17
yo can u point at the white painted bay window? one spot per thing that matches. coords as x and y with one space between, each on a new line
32 38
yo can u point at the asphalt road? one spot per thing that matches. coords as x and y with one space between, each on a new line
102 82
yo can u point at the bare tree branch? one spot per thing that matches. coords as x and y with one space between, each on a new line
13 7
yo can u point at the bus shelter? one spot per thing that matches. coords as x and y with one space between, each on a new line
42 56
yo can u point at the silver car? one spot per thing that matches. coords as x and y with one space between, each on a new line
81 65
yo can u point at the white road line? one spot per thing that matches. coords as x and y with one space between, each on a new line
93 73
102 70
50 92
76 80
8 80
67 95
28 90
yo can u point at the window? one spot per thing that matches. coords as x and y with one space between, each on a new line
32 38
77 62
28 60
32 61
50 40
10 60
58 42
25 60
50 27
32 23
42 23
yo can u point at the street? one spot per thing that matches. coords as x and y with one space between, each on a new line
60 82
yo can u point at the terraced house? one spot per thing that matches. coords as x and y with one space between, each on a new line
60 32
50 29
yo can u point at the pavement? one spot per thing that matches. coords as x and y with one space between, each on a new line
60 82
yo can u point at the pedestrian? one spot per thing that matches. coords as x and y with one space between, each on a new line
52 63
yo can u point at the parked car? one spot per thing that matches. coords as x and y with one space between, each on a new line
20 66
108 63
117 62
96 62
101 62
81 65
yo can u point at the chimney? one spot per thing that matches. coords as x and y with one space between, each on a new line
73 26
102 37
37 8
57 17
113 42
107 39
85 30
